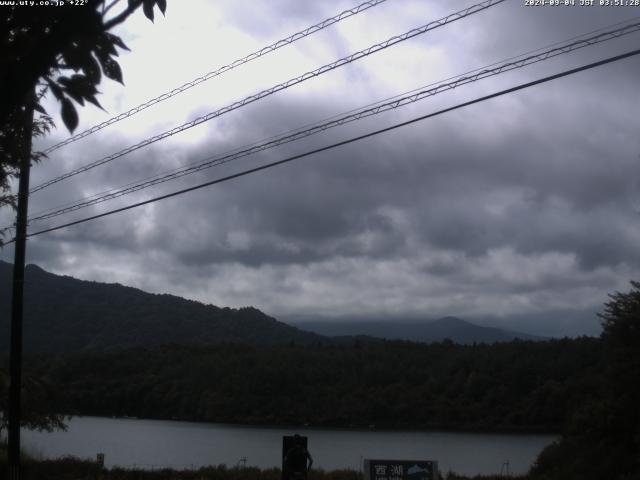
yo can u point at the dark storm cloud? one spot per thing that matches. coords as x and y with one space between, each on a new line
559 186
295 215
550 188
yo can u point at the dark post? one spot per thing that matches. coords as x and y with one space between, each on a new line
294 468
15 356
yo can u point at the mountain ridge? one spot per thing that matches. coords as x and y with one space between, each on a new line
445 328
65 314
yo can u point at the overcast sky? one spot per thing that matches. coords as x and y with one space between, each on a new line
522 211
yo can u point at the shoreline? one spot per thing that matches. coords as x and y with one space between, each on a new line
206 444
355 428
73 467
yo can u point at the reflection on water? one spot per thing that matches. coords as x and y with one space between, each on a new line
155 443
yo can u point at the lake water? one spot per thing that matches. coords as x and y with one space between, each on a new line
155 444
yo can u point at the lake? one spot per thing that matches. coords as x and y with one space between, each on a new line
155 444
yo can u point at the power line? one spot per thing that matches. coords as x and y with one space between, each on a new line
208 76
529 52
98 196
344 142
356 115
282 86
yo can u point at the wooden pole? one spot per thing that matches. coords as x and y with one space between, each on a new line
15 355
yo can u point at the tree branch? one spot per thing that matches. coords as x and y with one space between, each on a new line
117 20
106 9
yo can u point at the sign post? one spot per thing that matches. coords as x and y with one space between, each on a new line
295 457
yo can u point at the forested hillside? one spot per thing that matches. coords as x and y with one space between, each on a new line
509 386
63 314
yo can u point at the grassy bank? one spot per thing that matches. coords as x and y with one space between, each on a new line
74 469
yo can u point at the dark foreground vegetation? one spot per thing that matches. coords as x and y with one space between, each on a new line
71 468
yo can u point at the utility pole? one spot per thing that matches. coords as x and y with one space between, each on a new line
15 356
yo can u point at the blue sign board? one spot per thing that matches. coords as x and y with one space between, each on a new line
401 469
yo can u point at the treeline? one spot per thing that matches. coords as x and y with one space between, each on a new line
516 386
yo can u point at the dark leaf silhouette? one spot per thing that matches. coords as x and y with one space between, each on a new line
71 90
92 99
112 69
91 69
82 85
116 40
147 7
69 114
38 108
74 58
56 90
162 5
105 47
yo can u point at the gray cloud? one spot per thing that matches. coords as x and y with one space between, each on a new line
515 208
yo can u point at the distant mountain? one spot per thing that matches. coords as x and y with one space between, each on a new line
63 314
453 328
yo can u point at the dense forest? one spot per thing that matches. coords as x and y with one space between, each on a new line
510 386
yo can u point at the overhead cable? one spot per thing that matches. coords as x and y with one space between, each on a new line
342 143
282 86
335 122
208 76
